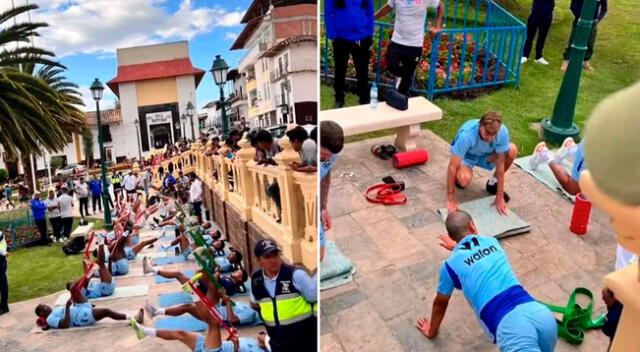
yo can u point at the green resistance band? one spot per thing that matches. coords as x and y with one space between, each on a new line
575 318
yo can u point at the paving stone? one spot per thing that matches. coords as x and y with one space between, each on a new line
328 343
343 301
346 227
371 215
420 219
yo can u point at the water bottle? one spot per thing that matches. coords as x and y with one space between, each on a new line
374 96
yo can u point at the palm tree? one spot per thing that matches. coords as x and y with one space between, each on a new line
38 109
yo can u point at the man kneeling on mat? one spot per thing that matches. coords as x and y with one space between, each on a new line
483 143
212 340
107 284
78 312
479 267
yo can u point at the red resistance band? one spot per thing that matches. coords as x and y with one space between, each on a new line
386 193
86 251
212 309
83 279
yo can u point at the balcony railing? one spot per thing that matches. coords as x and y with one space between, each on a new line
294 225
295 66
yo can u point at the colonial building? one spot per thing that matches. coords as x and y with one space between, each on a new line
280 64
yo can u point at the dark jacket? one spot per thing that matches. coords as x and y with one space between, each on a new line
600 12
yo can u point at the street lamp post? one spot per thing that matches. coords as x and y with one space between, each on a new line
183 118
219 71
137 123
561 125
191 112
96 90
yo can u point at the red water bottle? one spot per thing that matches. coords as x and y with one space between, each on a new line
581 215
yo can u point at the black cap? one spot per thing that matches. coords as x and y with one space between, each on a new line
265 246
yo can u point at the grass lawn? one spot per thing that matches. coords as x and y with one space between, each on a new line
39 271
616 60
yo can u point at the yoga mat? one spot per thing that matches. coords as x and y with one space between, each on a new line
161 280
169 260
149 254
335 269
171 249
489 221
105 323
544 174
184 322
120 292
173 298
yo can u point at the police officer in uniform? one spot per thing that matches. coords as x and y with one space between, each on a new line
286 298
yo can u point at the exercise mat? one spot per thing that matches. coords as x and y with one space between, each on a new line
335 269
544 174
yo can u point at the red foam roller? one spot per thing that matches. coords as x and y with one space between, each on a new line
411 158
581 215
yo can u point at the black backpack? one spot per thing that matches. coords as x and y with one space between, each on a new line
74 245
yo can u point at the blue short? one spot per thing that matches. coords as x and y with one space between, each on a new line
528 327
186 252
83 315
131 255
100 289
480 161
135 240
323 239
120 267
226 346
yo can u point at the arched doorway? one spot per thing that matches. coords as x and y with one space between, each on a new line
160 135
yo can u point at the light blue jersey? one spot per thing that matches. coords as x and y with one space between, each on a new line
246 345
479 267
578 162
246 314
474 150
224 264
81 315
120 267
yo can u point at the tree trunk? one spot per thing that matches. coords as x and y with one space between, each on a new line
28 178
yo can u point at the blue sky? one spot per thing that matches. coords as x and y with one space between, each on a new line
84 34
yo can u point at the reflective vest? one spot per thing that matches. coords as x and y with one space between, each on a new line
288 317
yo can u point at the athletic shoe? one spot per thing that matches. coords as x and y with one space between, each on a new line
541 154
136 328
4 310
165 245
153 226
156 220
146 266
564 150
150 309
541 61
493 189
53 239
564 65
523 60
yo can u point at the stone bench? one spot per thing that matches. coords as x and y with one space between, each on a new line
82 230
362 119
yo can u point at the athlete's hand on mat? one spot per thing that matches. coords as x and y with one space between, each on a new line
446 242
326 220
424 327
452 206
501 206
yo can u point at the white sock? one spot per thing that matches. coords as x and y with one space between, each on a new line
159 311
147 331
129 316
547 156
493 180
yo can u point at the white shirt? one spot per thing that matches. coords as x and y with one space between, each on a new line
195 192
65 202
55 213
130 182
82 190
410 21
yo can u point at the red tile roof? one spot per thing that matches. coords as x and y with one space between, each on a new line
151 70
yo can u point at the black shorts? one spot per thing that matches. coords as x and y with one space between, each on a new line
131 192
402 60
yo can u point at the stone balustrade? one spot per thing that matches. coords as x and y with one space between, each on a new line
237 197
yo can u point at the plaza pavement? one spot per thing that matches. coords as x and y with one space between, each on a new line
396 253
15 327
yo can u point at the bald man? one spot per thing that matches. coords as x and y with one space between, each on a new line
479 267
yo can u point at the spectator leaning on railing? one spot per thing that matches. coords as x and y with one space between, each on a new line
266 148
307 148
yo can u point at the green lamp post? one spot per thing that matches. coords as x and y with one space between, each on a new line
561 125
190 112
219 71
96 90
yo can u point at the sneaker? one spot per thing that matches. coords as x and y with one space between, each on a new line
146 266
150 309
493 189
4 310
153 226
53 239
541 61
565 64
566 146
541 154
136 328
587 66
523 60
156 220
